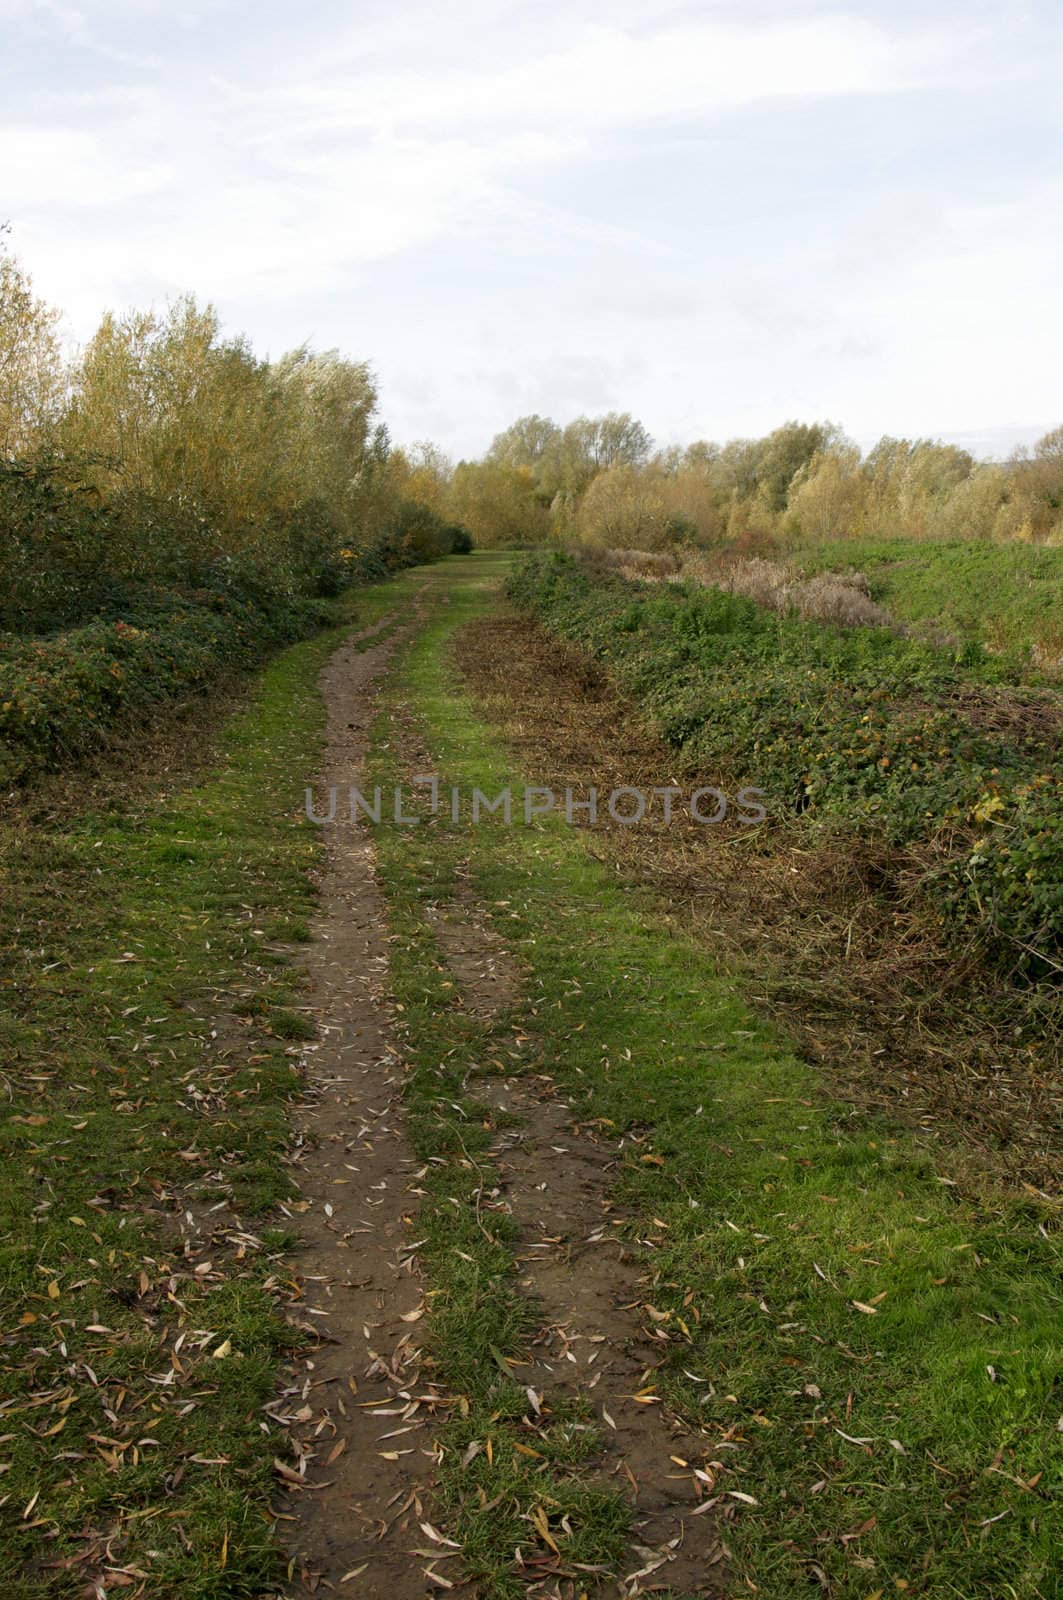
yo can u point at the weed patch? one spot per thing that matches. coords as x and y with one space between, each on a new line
854 723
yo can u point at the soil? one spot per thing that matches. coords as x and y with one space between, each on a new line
360 1418
596 1338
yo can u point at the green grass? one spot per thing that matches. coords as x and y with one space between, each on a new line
1007 596
773 1218
148 1001
480 1323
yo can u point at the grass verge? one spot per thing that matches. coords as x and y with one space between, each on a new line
872 1354
148 1003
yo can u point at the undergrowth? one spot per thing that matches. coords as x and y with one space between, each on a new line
902 740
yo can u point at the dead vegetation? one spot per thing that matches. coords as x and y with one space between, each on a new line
657 564
900 1020
840 597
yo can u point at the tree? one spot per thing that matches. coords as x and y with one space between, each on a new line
283 460
592 444
909 482
427 476
525 443
624 509
1038 485
827 496
32 377
498 504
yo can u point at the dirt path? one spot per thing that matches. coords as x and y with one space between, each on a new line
597 1339
359 1419
359 1415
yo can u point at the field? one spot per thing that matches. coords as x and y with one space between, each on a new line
715 1249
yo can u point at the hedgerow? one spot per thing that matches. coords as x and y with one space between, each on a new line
60 694
113 609
894 735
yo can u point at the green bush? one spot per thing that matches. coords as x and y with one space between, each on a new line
899 737
417 533
112 609
59 694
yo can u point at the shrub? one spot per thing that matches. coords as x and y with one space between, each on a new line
838 597
59 695
900 738
637 563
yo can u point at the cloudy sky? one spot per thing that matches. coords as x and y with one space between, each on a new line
716 216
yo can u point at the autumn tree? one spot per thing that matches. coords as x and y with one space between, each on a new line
531 441
1037 480
827 496
31 366
423 473
624 508
590 445
498 504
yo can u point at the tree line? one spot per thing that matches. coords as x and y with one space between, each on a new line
168 452
599 481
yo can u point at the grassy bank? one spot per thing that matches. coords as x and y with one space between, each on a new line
149 1011
871 1352
1008 596
136 650
909 744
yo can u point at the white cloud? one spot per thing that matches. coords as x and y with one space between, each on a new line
419 185
72 167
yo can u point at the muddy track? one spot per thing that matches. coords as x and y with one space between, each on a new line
596 1340
357 1474
358 1418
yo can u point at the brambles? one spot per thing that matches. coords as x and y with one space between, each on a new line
60 694
900 739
